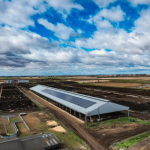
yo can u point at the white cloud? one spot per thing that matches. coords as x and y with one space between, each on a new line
113 14
17 13
136 2
103 3
101 52
143 23
64 6
60 29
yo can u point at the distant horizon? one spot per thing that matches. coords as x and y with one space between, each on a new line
78 75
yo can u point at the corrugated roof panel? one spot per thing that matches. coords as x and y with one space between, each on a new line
93 103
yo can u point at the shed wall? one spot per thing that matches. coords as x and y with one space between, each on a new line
109 107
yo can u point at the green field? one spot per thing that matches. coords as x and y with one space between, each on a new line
117 122
131 141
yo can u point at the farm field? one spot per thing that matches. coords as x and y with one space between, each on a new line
120 91
113 84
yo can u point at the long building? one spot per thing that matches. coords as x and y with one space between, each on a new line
83 104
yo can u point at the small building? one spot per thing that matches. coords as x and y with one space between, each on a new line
23 81
47 141
10 81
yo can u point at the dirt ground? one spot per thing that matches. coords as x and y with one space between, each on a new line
22 128
82 77
2 130
59 129
3 120
10 128
97 139
142 145
34 119
113 84
91 81
128 78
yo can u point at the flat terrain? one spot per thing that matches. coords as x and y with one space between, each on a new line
142 145
10 128
127 78
2 130
113 84
33 120
99 138
38 123
3 120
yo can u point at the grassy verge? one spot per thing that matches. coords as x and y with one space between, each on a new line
69 136
131 141
20 126
10 128
38 104
24 134
130 81
123 120
117 122
132 88
12 119
92 125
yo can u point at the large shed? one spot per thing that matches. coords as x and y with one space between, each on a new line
87 105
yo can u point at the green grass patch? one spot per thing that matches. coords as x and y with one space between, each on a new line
124 120
131 141
130 81
20 126
117 122
24 134
74 136
7 78
10 128
12 119
38 105
92 125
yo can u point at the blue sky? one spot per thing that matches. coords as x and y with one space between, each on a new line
73 37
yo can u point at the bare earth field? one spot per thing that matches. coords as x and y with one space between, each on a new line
2 130
82 77
128 78
10 128
3 120
91 81
34 119
113 84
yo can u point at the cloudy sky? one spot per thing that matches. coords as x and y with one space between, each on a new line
72 37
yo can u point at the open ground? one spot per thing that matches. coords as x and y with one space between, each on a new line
97 136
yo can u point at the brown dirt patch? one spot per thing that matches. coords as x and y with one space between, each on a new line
51 123
81 77
10 128
91 81
129 78
59 129
34 119
113 84
22 127
2 130
3 120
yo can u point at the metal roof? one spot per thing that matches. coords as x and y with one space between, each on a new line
97 102
33 142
